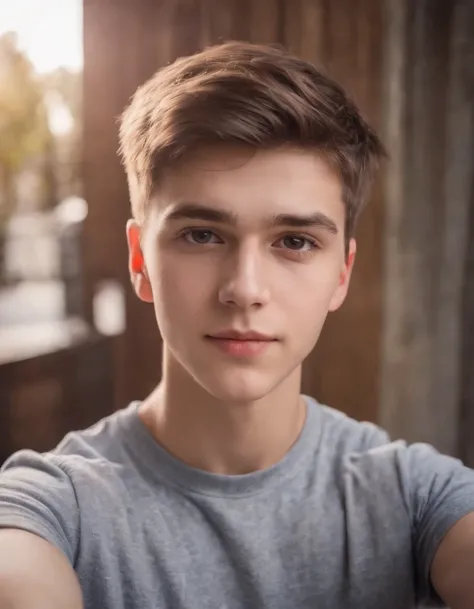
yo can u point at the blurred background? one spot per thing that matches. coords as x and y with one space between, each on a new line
75 344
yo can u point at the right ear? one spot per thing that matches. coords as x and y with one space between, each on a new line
136 263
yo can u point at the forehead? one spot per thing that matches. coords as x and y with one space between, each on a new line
253 184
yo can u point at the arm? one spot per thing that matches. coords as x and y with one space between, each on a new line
34 574
39 534
452 571
440 500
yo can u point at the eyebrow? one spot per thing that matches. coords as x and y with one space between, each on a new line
196 211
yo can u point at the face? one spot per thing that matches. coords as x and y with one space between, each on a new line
243 257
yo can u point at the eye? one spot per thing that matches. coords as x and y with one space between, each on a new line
298 243
200 236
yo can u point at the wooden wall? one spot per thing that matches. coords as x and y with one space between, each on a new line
427 390
45 396
125 43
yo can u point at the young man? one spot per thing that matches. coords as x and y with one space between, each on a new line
226 488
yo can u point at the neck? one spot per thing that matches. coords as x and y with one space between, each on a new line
219 436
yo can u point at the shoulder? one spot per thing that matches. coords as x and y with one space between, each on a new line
47 493
55 494
38 495
98 460
345 434
418 472
431 486
105 441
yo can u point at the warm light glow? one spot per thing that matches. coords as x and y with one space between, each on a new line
60 119
49 31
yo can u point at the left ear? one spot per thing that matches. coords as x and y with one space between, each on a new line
136 264
344 278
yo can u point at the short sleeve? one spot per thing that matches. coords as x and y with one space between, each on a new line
37 495
441 492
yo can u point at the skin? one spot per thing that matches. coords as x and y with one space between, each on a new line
217 412
452 568
35 574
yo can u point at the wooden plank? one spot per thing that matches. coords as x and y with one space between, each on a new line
112 72
264 21
43 398
450 184
460 187
312 31
341 19
227 20
466 406
292 19
395 136
184 24
419 397
412 385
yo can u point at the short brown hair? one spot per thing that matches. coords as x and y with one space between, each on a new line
261 96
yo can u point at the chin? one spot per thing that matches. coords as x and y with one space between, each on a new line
243 387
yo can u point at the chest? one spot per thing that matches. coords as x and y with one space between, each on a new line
284 550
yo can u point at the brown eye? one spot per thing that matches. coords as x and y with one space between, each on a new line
295 243
200 236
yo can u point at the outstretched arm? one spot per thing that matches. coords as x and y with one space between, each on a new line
35 574
452 571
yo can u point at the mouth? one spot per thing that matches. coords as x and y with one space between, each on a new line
242 336
241 344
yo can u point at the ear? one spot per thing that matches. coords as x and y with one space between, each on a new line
136 263
344 278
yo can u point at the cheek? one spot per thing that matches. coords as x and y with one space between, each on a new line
307 297
178 287
308 291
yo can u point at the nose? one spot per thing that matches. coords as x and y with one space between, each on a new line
245 285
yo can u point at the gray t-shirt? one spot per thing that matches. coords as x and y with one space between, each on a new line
346 519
